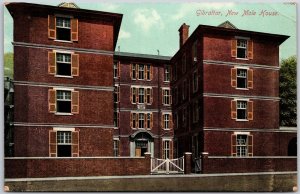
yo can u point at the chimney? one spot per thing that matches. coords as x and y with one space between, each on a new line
183 33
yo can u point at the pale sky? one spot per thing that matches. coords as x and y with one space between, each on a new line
148 27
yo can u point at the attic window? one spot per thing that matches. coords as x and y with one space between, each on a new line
63 29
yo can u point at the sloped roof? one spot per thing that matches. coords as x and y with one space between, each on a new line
144 56
227 24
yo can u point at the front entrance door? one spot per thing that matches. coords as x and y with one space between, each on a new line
141 147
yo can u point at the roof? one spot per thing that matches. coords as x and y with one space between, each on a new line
143 56
68 8
227 24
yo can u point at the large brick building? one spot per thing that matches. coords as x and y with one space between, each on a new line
225 90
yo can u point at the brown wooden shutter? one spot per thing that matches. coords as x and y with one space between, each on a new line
233 145
52 144
51 62
75 102
233 77
145 95
145 120
151 72
250 145
137 71
170 97
75 144
51 27
52 100
74 29
131 92
137 123
151 120
171 122
137 95
250 110
131 71
75 64
162 121
131 120
250 78
233 48
233 110
151 95
250 49
145 72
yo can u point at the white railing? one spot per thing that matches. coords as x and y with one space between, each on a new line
167 166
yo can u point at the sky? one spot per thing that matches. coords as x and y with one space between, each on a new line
148 27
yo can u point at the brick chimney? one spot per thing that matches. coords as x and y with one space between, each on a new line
183 33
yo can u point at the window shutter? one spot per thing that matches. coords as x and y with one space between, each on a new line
137 95
151 120
151 95
52 144
162 149
250 110
52 100
137 123
118 90
145 121
51 62
171 122
170 98
137 71
145 72
233 109
131 120
250 145
131 71
74 29
233 77
233 145
250 49
162 121
75 144
151 72
75 102
51 27
233 48
250 78
75 64
145 95
162 96
131 92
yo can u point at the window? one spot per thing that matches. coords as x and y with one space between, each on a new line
116 148
183 62
148 96
242 110
62 28
195 81
194 52
167 73
141 71
242 48
166 149
242 78
141 95
148 72
134 120
242 144
63 143
141 120
116 119
133 71
166 97
116 69
148 123
116 94
63 64
133 94
166 121
63 101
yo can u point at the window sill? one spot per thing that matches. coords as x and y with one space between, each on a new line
63 114
245 59
242 88
166 129
243 120
63 76
167 82
65 41
166 104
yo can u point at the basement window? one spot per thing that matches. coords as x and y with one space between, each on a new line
63 28
63 101
63 64
64 141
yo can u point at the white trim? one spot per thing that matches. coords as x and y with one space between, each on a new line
241 67
241 133
244 59
63 129
116 138
63 114
140 86
63 76
247 129
253 157
63 88
216 95
165 88
64 41
225 63
242 37
22 124
241 99
62 51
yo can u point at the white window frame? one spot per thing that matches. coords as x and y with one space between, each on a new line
241 149
133 72
141 72
141 96
242 47
63 100
241 108
167 73
166 121
141 120
63 27
148 72
116 149
166 96
166 149
244 77
116 75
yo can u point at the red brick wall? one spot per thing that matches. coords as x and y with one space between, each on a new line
218 80
95 107
218 47
92 33
32 65
34 141
218 143
243 165
65 167
265 114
